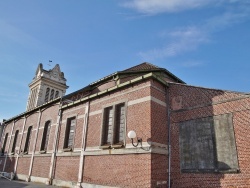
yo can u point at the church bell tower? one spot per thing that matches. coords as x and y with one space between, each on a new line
47 85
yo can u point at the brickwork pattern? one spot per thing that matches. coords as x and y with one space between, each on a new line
49 114
78 112
129 171
67 168
194 107
159 170
41 167
94 130
32 120
104 86
7 129
134 113
159 129
23 165
197 96
10 164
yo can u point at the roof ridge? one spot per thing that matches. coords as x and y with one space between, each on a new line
142 66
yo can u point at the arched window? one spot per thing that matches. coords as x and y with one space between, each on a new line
45 138
5 141
47 95
52 95
14 142
27 142
57 94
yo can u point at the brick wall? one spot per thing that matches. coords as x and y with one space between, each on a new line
10 163
200 102
23 165
118 170
159 129
77 111
67 168
49 114
146 113
41 166
159 170
134 112
32 120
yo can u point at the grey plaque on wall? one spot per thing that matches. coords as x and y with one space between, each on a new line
208 145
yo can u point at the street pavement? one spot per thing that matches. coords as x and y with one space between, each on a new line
4 183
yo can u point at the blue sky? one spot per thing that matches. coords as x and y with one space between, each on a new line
205 43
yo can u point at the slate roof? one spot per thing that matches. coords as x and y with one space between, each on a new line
143 66
148 67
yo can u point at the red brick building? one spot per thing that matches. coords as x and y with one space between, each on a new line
188 136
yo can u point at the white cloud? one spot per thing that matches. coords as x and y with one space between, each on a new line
191 37
192 63
159 6
183 40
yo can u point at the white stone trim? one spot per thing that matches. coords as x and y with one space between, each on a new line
73 109
88 185
137 101
158 101
95 112
152 147
21 177
124 93
62 183
38 179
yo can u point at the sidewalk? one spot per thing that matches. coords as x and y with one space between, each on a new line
4 183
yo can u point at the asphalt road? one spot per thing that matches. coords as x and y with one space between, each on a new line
4 183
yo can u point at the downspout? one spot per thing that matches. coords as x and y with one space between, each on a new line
169 136
34 146
84 135
20 145
55 144
8 145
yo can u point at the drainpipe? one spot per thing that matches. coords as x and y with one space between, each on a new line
55 145
20 145
169 136
84 135
34 146
8 145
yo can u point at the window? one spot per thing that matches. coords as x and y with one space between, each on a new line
57 94
45 138
47 95
208 145
113 127
14 142
69 134
52 95
27 142
5 141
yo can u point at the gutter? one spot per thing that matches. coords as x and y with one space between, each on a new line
119 86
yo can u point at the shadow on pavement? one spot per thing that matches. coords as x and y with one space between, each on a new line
4 183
